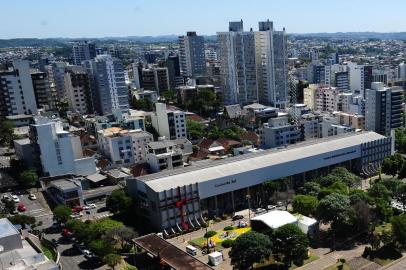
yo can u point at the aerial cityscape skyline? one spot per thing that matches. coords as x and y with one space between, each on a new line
153 18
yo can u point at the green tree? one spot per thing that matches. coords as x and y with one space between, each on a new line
168 95
118 201
361 216
101 247
120 236
250 248
62 213
310 188
102 226
383 209
28 178
305 205
358 195
81 230
195 129
334 209
348 178
399 229
291 243
379 190
6 132
112 260
392 165
23 220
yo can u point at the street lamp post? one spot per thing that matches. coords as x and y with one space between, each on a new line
248 197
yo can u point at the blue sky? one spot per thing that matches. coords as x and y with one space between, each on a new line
100 18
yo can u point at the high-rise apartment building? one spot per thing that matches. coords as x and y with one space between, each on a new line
402 71
42 90
56 73
173 65
192 57
236 55
383 108
83 51
78 89
16 90
271 65
110 91
156 79
360 77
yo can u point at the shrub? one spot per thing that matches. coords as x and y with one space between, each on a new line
228 228
367 252
210 234
227 243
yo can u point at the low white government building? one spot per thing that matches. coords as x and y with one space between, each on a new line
177 200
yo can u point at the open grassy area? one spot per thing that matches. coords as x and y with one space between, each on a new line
219 237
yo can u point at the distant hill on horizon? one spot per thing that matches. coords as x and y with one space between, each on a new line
38 42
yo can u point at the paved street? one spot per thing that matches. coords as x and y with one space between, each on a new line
400 265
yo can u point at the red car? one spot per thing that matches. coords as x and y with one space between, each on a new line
77 209
21 207
66 233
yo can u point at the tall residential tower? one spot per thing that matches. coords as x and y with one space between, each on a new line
192 58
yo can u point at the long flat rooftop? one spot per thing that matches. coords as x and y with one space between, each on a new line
211 170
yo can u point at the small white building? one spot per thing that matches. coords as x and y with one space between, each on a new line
150 95
278 132
60 151
170 124
124 147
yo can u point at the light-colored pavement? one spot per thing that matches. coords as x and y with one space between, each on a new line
398 265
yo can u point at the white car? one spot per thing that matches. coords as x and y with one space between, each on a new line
32 196
15 198
90 206
76 215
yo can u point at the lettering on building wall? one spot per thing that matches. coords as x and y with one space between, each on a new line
340 155
228 182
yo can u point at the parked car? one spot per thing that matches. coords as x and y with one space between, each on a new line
237 217
271 207
55 242
15 198
77 209
21 208
259 211
242 224
76 215
32 196
102 209
90 206
66 233
279 204
5 198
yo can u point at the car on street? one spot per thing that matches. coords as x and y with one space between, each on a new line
55 242
242 224
77 215
66 233
32 196
259 211
77 209
279 204
237 217
87 254
271 207
90 206
21 207
15 198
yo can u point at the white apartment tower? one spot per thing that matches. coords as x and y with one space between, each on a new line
110 92
169 123
60 152
271 65
17 94
83 51
236 55
192 55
